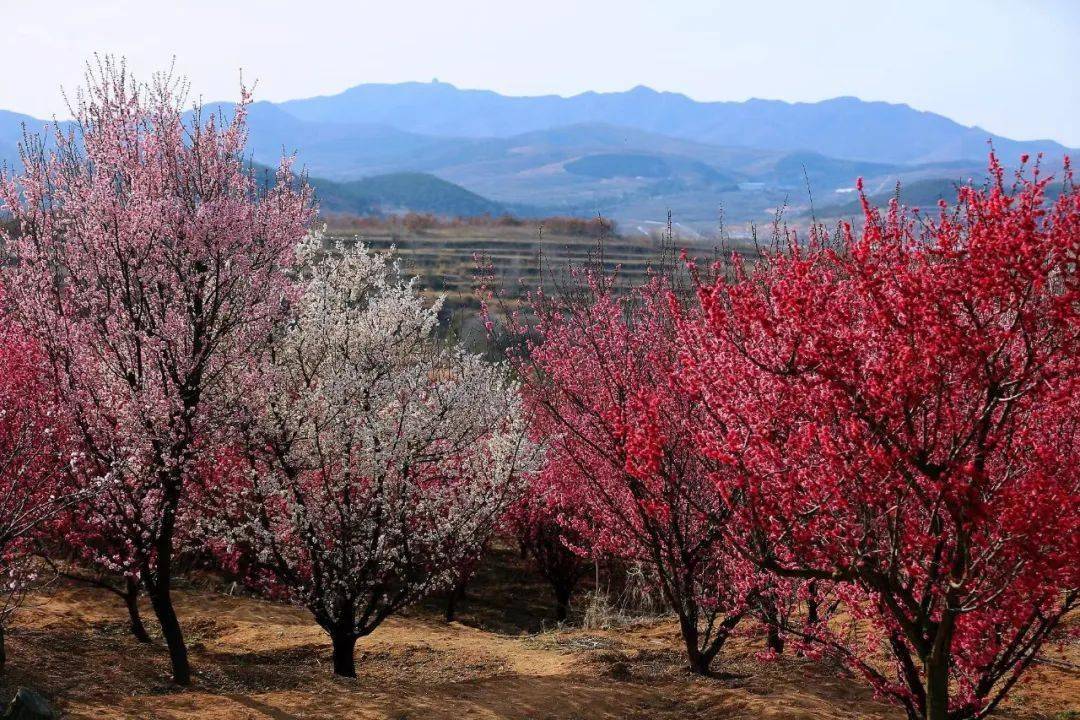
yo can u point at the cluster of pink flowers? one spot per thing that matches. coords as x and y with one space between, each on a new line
232 388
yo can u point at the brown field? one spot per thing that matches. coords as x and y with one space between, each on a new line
259 660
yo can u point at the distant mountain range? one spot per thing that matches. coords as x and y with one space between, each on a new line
631 155
844 127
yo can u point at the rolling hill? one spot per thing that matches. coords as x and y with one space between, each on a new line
400 192
272 131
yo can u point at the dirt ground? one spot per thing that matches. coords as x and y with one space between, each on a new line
257 660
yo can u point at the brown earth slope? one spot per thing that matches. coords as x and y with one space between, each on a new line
259 660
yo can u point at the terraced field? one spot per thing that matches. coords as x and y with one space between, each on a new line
447 259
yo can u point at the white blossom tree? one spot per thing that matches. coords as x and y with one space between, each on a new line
377 459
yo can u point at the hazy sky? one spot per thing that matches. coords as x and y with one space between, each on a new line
1009 67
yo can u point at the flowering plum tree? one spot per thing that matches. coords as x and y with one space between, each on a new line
96 556
379 460
148 264
600 389
462 574
545 532
897 412
35 459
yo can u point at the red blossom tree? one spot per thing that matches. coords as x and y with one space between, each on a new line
36 458
148 263
897 412
545 533
601 393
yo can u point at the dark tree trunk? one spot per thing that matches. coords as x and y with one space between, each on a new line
157 578
937 690
161 600
813 611
451 605
131 600
812 603
457 594
344 649
3 649
562 602
936 665
699 661
775 641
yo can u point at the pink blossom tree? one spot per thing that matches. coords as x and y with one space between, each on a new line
149 263
896 413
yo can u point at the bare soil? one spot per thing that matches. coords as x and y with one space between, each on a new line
257 660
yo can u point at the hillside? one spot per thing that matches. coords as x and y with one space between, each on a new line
403 192
921 194
11 133
445 258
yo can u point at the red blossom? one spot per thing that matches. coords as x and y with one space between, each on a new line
898 412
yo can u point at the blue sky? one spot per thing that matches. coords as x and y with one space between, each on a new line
1008 67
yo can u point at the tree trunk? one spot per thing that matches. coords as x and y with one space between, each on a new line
457 594
161 600
699 661
699 664
131 600
936 665
159 584
344 648
562 603
812 603
937 688
3 649
775 641
451 605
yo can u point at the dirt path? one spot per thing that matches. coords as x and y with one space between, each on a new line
258 660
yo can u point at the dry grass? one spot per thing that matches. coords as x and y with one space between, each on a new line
255 659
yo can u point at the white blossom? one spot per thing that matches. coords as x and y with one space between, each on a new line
378 457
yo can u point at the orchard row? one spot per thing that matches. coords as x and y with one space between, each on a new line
876 428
